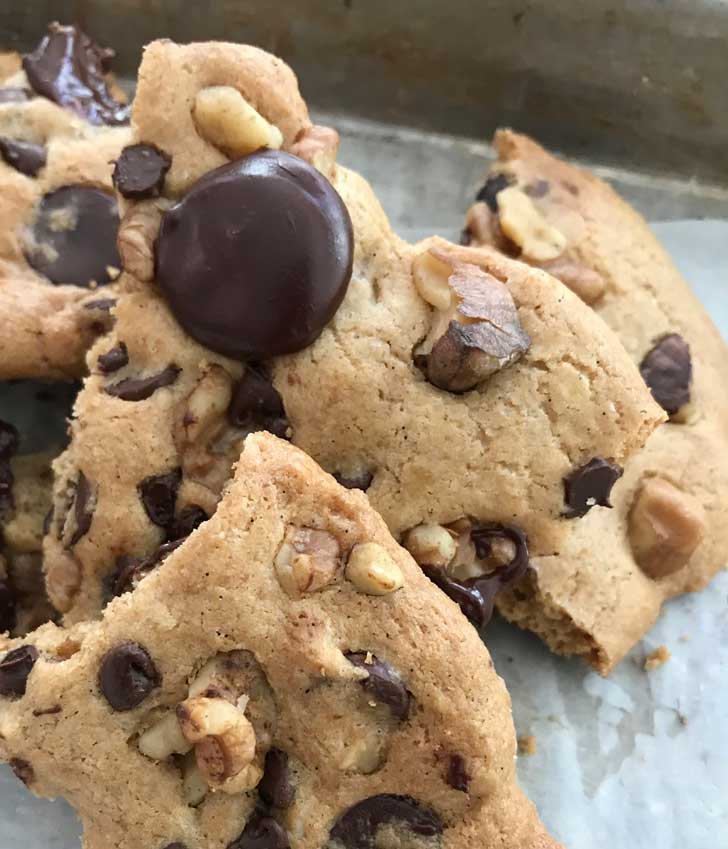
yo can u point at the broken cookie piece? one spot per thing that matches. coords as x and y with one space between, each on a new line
187 704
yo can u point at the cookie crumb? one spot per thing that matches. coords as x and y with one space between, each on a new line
656 658
527 745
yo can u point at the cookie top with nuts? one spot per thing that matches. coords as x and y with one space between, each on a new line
668 531
450 383
286 677
60 131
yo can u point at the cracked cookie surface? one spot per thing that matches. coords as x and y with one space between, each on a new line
324 717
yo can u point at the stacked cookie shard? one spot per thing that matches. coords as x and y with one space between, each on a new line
220 704
537 389
668 531
60 130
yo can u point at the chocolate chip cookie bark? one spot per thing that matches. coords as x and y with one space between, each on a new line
25 498
61 128
668 531
287 677
459 388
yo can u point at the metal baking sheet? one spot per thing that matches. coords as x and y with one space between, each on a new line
635 90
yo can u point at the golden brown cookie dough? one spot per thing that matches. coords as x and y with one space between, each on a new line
55 167
161 418
212 706
668 531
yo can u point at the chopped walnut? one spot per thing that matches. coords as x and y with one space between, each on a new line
137 233
431 544
318 146
224 118
583 281
522 222
307 561
372 570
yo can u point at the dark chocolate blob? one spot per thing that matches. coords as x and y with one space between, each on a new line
276 788
114 359
384 683
141 388
68 68
12 94
15 668
8 606
159 496
490 189
261 832
667 370
476 596
82 512
140 171
131 570
357 828
74 236
256 404
257 257
186 521
127 676
26 157
457 775
22 770
9 440
362 481
590 485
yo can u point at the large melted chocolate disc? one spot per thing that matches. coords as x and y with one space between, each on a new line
256 258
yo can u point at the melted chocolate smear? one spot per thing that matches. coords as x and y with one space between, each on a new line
489 192
141 388
82 512
140 171
384 683
256 404
476 596
68 68
357 828
74 236
667 369
159 496
26 157
114 359
188 520
256 258
130 571
590 485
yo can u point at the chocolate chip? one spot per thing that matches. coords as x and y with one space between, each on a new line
114 359
26 157
130 570
74 236
476 596
140 171
186 521
127 676
257 256
141 388
667 370
101 304
489 192
357 828
15 668
22 770
457 775
9 440
8 604
83 508
383 683
68 68
276 788
362 481
50 711
11 94
261 832
590 485
256 404
159 496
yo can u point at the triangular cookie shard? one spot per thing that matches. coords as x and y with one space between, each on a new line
668 531
458 388
286 677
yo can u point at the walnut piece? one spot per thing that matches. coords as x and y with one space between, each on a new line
137 233
431 544
372 570
475 330
583 281
225 119
163 739
666 525
307 561
318 146
523 223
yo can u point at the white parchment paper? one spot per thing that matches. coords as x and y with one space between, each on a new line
636 761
